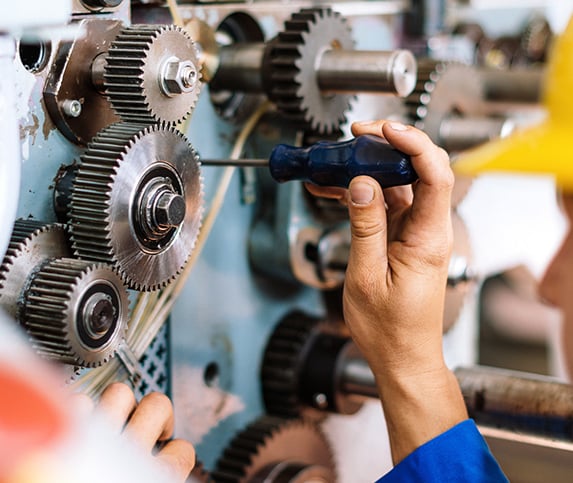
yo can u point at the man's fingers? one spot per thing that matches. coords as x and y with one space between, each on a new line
368 127
178 457
432 193
117 402
151 421
367 224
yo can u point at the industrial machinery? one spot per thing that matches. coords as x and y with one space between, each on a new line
127 259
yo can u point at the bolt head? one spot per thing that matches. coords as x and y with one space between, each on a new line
179 77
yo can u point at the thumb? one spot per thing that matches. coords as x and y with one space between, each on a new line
367 224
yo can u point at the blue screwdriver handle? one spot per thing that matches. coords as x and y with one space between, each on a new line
328 163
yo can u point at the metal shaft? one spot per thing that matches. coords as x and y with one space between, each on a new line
240 68
241 163
516 85
459 133
494 397
351 71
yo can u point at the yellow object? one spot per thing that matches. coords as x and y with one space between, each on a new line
546 148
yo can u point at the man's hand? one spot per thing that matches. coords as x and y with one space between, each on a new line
146 424
395 285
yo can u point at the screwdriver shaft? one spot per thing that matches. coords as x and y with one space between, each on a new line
243 163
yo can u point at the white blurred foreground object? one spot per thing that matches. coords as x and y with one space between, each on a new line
43 440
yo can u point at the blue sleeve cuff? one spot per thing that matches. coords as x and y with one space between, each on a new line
458 455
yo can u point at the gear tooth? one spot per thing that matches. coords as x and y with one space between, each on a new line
49 312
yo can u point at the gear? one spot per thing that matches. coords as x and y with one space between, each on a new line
298 374
443 89
32 243
152 74
280 368
76 311
293 55
137 203
277 450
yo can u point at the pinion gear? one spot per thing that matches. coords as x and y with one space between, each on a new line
293 84
275 450
138 66
76 311
137 203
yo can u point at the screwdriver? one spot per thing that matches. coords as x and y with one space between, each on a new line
334 163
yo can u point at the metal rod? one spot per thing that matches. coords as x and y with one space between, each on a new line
515 85
240 68
516 401
459 133
243 163
347 71
351 71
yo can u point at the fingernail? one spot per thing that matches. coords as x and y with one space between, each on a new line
361 193
398 126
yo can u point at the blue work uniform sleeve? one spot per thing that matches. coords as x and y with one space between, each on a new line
458 455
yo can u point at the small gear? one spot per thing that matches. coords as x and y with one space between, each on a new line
277 450
280 368
75 311
137 203
298 373
293 84
152 74
32 243
443 89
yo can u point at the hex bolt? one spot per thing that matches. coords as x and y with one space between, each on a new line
178 76
170 210
72 107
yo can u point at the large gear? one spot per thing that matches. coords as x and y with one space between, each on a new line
32 243
443 89
152 74
293 55
137 203
277 450
76 311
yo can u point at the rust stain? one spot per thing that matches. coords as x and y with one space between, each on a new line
30 129
48 124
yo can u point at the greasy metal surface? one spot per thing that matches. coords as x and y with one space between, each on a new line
524 402
70 78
